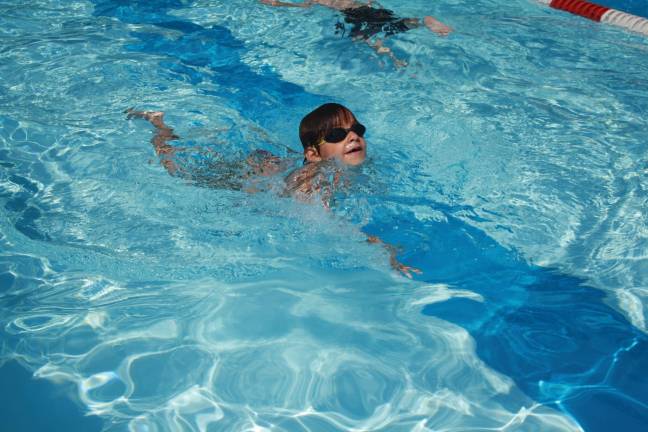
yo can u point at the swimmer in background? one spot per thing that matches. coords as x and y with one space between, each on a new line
331 137
368 21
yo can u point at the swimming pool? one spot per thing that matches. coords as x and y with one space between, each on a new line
508 162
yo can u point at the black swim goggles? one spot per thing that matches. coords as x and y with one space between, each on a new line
338 134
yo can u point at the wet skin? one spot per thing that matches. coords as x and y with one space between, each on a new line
352 150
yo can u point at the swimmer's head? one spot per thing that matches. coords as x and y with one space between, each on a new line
332 131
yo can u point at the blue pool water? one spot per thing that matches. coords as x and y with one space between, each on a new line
507 162
37 405
635 7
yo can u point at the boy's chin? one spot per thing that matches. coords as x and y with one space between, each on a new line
354 158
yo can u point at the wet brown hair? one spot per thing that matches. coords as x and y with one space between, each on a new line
321 120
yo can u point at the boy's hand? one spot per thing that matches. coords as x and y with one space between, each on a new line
305 4
403 269
396 265
155 117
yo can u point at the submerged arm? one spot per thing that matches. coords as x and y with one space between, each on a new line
396 265
380 48
306 4
160 141
311 180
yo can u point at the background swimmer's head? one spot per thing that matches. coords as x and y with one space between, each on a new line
316 125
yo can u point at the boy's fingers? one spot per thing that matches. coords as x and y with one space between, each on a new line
132 112
407 271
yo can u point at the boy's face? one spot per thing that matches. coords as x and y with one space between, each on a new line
352 150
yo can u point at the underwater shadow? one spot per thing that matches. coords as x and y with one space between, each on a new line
550 332
37 405
213 54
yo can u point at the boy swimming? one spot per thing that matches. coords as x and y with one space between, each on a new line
331 138
330 135
367 21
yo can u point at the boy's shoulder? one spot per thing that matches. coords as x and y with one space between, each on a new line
313 178
300 180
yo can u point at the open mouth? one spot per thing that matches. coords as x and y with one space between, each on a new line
354 149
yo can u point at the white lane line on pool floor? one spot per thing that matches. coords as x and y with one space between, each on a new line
602 14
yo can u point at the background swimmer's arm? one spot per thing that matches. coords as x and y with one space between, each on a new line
160 141
306 4
396 265
382 49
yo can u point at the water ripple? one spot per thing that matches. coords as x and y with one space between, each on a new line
177 307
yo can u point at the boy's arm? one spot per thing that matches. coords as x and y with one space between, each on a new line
396 265
306 4
160 141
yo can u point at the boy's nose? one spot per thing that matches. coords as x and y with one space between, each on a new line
352 136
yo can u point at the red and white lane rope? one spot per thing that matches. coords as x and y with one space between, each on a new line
601 14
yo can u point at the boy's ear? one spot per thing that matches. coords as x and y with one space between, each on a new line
312 154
